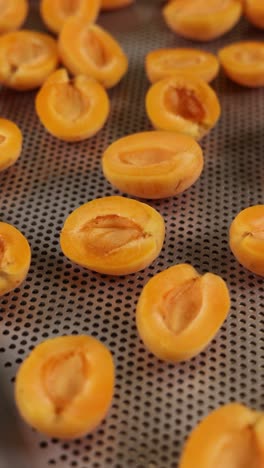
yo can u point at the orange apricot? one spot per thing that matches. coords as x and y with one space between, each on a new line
10 143
182 103
56 12
72 110
113 235
88 49
179 312
229 437
246 238
254 11
15 257
243 62
64 388
26 59
163 63
153 164
115 4
13 14
201 20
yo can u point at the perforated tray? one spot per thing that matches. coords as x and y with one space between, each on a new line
155 404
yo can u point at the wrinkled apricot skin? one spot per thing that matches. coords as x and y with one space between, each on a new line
183 104
243 62
64 388
115 4
254 12
90 50
179 312
26 59
72 110
56 12
113 235
164 63
153 164
246 238
229 437
13 14
200 20
10 143
15 257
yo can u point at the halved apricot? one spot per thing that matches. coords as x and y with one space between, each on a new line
113 235
13 14
26 59
183 104
246 238
55 12
153 164
179 312
229 437
254 11
114 4
64 388
87 49
243 62
202 20
72 110
10 143
163 63
15 257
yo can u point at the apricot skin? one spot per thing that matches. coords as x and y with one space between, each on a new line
179 312
64 388
10 143
153 164
13 14
254 12
115 4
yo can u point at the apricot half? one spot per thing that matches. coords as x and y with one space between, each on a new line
179 312
26 59
72 110
229 437
56 12
243 62
202 20
64 388
246 238
10 143
113 235
90 50
115 4
254 11
153 164
15 257
163 63
183 104
13 14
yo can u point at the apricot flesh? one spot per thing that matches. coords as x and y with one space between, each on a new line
229 437
153 164
179 312
72 110
13 14
10 143
64 388
254 12
163 63
15 257
113 235
114 4
184 104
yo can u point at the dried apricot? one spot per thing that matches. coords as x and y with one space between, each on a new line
114 4
10 143
254 11
13 14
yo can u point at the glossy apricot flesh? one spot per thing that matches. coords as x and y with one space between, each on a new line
254 11
229 437
64 388
15 257
114 4
201 20
183 104
243 62
163 63
26 59
10 143
179 312
90 50
113 235
72 110
56 12
153 164
13 14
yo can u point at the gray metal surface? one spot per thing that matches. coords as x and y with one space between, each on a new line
155 404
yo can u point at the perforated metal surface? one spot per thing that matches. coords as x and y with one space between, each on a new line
155 404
